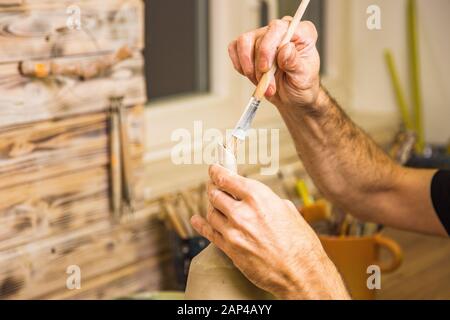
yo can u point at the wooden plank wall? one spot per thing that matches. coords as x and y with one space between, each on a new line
54 156
24 99
38 29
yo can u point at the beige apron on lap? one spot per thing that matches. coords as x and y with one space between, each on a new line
212 275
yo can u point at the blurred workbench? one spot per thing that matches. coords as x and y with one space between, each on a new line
425 271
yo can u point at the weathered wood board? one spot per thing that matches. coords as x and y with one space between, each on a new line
49 148
24 99
150 275
43 149
54 175
53 206
39 268
34 29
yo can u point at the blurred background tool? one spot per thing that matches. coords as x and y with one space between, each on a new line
174 218
125 157
185 242
303 192
414 65
115 159
399 92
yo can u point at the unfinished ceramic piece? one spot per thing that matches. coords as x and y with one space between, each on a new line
212 275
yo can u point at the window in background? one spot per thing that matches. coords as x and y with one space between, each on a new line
177 48
315 13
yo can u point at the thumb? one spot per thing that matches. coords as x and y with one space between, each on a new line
288 58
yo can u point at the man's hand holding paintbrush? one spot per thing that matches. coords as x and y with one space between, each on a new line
284 49
296 82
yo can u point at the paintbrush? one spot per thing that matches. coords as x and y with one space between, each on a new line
244 123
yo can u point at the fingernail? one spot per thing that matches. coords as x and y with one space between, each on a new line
264 65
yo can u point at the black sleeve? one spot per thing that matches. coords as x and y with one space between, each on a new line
440 195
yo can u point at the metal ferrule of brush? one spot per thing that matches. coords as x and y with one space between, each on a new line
244 124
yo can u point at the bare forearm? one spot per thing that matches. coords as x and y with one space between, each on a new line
356 174
343 161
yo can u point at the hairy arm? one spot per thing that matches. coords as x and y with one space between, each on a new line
353 172
344 162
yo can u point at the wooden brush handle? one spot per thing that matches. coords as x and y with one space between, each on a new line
264 83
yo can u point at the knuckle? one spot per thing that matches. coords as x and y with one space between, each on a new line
206 232
264 50
237 67
244 53
248 72
209 216
221 182
259 193
312 31
276 23
235 208
248 185
247 67
212 195
232 236
214 236
243 38
249 191
231 47
211 171
251 185
209 187
258 43
279 26
252 199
